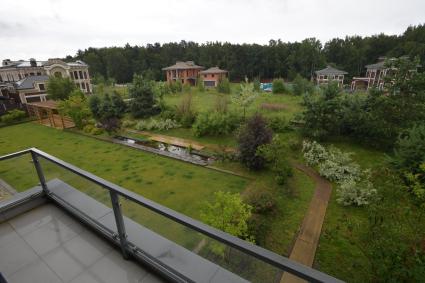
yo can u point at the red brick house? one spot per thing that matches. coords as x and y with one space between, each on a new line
212 76
186 72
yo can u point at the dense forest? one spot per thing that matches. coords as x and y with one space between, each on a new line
276 59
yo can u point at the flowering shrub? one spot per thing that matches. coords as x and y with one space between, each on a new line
159 125
355 187
360 193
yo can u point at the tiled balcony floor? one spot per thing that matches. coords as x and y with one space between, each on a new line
46 245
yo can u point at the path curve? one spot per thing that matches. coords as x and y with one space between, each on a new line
308 236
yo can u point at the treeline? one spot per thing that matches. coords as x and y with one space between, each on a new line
276 59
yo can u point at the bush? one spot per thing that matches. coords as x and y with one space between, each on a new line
221 104
277 123
128 123
252 135
339 167
13 116
91 129
301 86
215 124
314 153
142 102
176 86
158 125
262 201
278 86
223 86
275 154
360 193
76 107
409 151
257 85
185 112
168 114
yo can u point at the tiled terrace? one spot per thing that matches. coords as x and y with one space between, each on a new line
47 245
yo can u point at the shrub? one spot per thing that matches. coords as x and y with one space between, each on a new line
142 102
128 123
278 86
107 109
359 193
314 153
91 129
159 125
277 123
76 107
275 154
13 116
185 112
215 124
221 104
200 84
339 167
257 85
409 151
223 86
262 201
252 135
301 86
176 86
168 114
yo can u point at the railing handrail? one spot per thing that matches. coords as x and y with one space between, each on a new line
260 253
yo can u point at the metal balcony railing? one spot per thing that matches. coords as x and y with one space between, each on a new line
130 248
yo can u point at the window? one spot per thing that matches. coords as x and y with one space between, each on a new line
31 74
85 75
75 75
19 76
87 87
38 73
78 85
212 75
83 85
205 76
26 75
41 86
72 75
58 74
81 74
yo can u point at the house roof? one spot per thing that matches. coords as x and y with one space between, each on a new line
213 70
26 64
28 82
378 66
183 66
330 71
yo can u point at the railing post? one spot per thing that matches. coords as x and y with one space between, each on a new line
119 220
39 172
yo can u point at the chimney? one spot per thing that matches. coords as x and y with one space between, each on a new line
33 63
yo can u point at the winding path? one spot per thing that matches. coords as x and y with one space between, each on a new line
308 237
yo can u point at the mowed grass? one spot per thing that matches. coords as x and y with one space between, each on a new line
178 185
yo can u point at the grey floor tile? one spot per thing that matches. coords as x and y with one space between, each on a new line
15 255
150 278
7 233
36 272
35 218
52 235
63 263
113 268
87 277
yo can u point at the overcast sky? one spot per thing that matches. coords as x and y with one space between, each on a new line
56 28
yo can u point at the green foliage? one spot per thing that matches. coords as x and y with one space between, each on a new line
409 150
141 93
228 213
13 116
76 107
221 104
262 201
176 86
107 109
158 125
59 88
215 124
245 97
160 90
200 84
357 193
223 86
416 183
257 84
91 129
301 86
185 112
275 154
277 123
278 86
253 134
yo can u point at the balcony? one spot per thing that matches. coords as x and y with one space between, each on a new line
72 226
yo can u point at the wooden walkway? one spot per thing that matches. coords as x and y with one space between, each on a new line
308 237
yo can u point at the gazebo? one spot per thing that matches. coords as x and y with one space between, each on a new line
47 114
330 74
